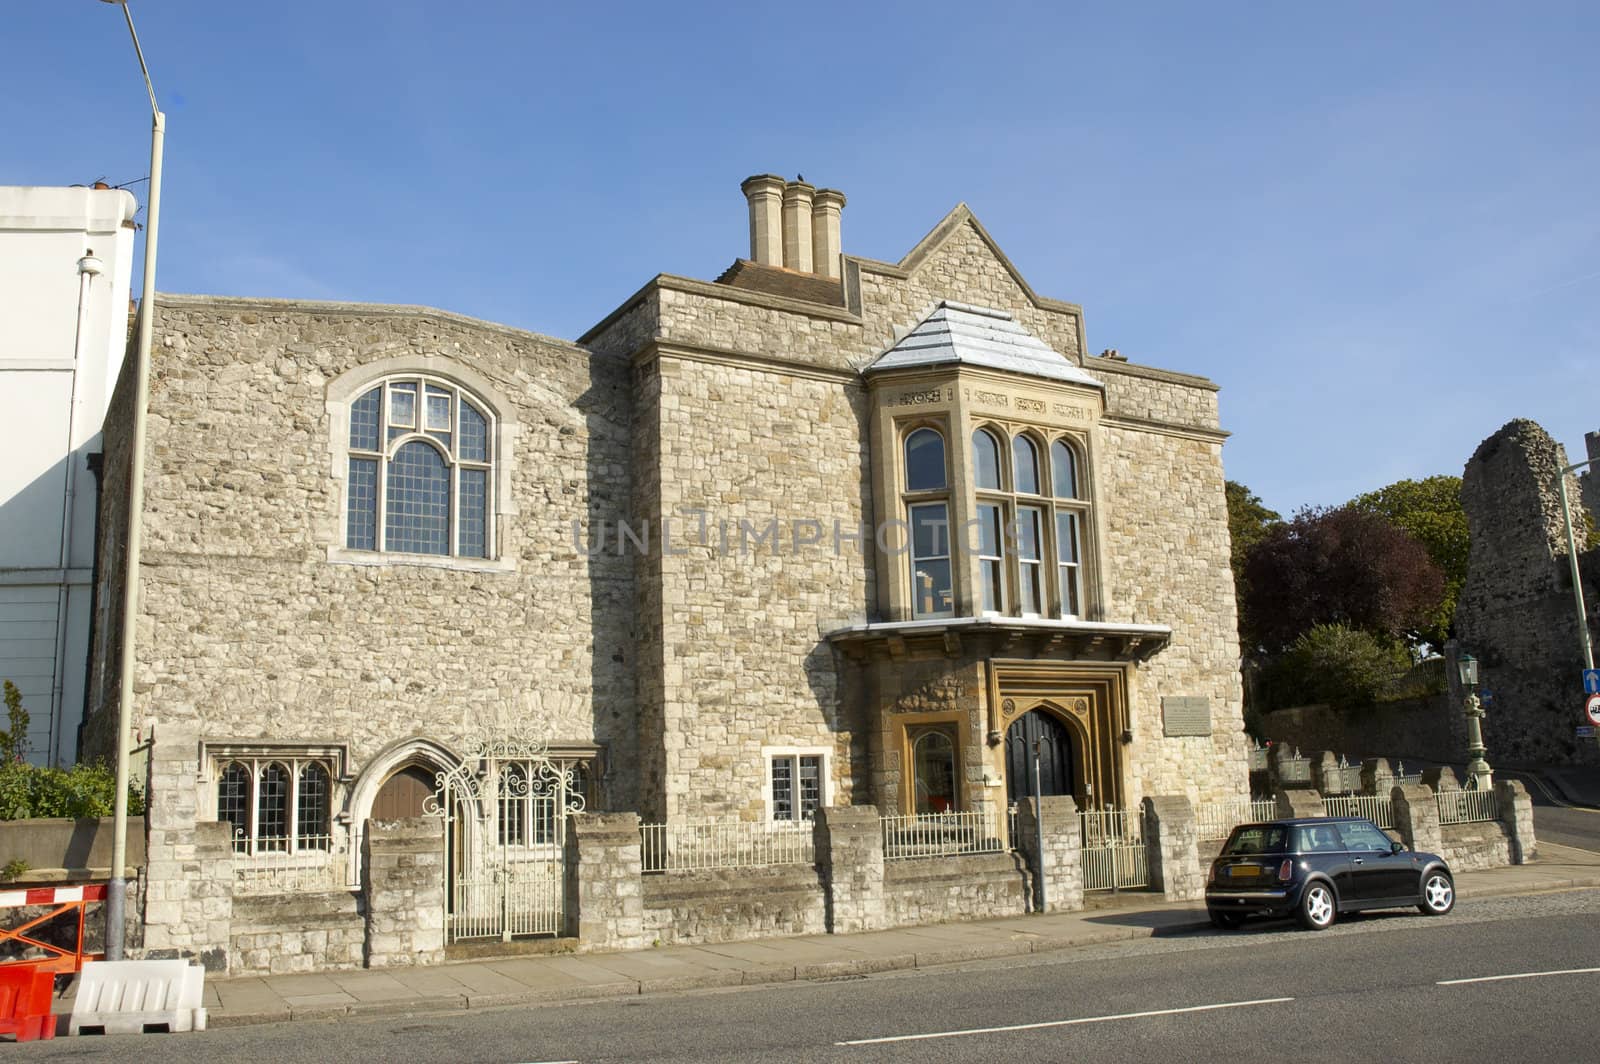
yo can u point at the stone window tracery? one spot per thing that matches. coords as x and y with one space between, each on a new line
420 469
276 804
1030 517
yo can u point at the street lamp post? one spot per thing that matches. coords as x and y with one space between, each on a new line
1572 559
1480 776
117 888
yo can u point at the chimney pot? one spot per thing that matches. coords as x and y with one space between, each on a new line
825 207
797 225
765 194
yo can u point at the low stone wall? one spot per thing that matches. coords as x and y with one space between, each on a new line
1470 847
273 934
729 904
936 890
61 850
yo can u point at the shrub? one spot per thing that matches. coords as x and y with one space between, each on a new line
28 791
1337 665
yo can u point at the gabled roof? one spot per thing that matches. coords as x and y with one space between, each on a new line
978 336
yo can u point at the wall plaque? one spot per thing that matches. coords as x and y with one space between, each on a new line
1185 715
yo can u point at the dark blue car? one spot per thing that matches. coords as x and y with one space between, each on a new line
1315 868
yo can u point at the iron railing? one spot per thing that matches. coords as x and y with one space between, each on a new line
1113 855
1217 819
701 844
939 835
1467 807
1375 807
306 863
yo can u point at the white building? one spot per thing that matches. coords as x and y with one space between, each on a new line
65 264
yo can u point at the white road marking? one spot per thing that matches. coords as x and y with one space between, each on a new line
1518 975
1064 1023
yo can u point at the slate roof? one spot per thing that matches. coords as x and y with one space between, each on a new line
978 336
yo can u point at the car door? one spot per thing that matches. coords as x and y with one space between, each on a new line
1376 872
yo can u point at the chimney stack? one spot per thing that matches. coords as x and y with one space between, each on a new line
794 225
825 249
765 193
797 225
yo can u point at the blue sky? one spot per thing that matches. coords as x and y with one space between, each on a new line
1376 226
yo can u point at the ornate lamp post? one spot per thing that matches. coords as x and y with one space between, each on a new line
1480 775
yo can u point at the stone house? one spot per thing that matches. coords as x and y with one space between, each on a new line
824 531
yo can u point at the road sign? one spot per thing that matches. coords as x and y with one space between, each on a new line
1591 681
1592 707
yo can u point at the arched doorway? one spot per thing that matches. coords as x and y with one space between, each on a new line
403 794
1055 756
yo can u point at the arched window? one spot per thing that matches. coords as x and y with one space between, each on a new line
1025 465
276 804
272 807
1065 465
986 460
928 519
420 459
233 801
925 461
933 757
311 807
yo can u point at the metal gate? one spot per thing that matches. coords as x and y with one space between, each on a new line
1113 856
505 835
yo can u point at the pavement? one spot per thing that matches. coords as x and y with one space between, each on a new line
556 977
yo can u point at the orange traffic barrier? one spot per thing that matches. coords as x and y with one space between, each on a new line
62 900
25 988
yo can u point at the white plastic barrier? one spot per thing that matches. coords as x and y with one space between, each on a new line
131 997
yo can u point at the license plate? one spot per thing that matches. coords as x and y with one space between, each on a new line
1243 871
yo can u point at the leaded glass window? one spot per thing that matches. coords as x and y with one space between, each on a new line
420 464
797 786
276 804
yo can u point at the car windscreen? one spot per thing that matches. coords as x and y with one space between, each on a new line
1252 839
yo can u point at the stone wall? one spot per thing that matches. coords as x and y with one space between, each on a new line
1165 560
726 905
402 880
1516 611
936 890
299 932
744 664
250 629
1429 729
59 849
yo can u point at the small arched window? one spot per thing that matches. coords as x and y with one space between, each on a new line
925 461
986 460
420 459
1025 463
272 807
311 807
233 801
1065 466
933 756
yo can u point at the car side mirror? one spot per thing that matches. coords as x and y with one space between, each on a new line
1397 847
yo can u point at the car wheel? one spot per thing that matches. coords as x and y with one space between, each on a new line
1317 909
1438 894
1226 921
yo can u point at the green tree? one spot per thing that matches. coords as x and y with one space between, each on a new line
1249 522
1430 511
14 740
1337 665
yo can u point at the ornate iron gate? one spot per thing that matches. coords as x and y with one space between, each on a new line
1113 855
505 835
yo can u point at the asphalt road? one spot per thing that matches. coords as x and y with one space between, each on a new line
1374 988
1556 821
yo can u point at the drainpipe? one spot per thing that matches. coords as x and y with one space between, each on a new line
89 268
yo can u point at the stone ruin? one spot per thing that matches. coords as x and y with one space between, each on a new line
1516 609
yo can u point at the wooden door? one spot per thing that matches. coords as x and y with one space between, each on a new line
403 793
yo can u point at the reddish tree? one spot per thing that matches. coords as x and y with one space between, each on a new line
1337 566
